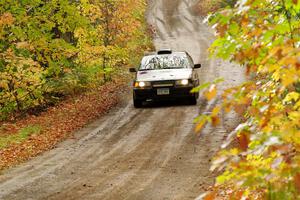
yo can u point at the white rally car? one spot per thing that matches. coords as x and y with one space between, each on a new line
165 75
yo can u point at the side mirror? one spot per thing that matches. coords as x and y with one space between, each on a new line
132 70
197 66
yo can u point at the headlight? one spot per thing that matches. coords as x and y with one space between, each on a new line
183 82
141 84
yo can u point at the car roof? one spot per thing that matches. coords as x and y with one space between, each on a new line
166 52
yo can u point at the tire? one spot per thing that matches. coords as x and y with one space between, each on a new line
193 100
197 95
137 103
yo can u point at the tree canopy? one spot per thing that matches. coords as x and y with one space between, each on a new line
53 48
264 37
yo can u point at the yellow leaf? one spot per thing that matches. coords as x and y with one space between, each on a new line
201 124
273 68
297 105
211 93
292 96
276 75
289 61
288 77
294 115
4 85
216 111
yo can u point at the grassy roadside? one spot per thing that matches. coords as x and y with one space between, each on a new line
27 137
19 136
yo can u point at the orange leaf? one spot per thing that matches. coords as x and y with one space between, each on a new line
210 196
297 181
239 109
253 111
227 107
243 139
215 121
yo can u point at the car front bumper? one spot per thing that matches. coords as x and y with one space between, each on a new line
152 93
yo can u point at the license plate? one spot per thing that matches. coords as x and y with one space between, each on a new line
163 91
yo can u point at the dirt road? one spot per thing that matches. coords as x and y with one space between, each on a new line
149 153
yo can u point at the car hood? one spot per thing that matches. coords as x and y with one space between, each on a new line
164 74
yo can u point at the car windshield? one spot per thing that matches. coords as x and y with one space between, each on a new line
156 62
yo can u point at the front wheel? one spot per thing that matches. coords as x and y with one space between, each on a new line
193 100
137 103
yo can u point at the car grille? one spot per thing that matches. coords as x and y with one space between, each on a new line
158 84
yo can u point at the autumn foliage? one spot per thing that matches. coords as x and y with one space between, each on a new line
49 49
32 135
264 37
62 64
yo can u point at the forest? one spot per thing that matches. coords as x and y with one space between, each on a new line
51 49
62 64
